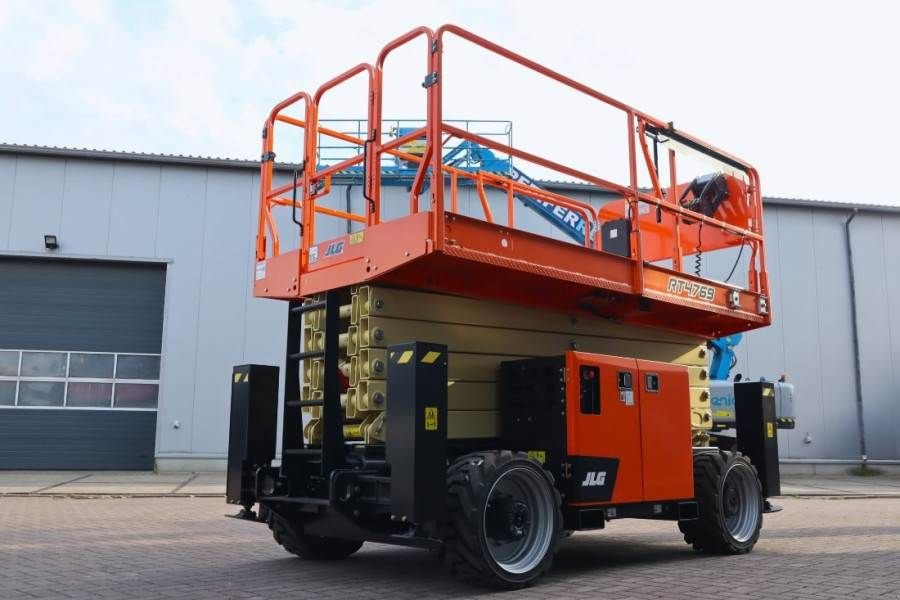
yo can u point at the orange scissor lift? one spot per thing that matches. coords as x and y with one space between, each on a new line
610 436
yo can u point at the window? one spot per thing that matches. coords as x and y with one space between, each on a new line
96 380
9 363
98 366
82 393
43 364
136 366
8 393
41 393
136 395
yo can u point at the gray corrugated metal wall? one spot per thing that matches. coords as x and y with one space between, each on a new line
202 220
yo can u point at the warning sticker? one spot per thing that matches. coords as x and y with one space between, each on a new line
430 357
431 418
260 270
538 455
357 237
770 430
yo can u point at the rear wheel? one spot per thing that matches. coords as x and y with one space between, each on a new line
503 519
729 497
311 547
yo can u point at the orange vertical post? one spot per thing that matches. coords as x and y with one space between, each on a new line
435 131
677 260
636 250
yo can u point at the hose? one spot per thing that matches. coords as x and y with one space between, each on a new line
698 258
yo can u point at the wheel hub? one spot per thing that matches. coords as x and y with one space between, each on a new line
732 502
508 519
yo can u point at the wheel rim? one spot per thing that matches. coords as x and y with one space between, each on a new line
519 520
741 504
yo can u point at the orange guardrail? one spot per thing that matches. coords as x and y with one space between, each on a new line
656 211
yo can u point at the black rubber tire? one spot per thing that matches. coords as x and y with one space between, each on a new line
310 547
709 532
469 482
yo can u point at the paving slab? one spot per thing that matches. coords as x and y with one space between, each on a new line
29 482
841 486
204 484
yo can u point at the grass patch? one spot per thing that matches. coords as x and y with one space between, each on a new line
865 471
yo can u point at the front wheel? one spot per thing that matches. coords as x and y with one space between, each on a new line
503 519
729 497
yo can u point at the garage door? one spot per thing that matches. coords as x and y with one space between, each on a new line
79 363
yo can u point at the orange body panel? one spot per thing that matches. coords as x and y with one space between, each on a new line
616 431
649 432
668 459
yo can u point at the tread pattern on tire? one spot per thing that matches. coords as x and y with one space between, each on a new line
467 483
707 533
307 546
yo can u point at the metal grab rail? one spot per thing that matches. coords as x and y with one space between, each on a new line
430 164
267 162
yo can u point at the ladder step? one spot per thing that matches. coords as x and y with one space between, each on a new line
305 308
302 452
303 403
305 355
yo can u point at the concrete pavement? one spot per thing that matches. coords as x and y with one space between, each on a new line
144 483
110 483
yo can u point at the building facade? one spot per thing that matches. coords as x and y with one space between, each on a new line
116 346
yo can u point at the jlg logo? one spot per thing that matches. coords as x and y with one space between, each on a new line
594 479
334 248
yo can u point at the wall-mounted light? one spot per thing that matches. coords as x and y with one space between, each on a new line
50 242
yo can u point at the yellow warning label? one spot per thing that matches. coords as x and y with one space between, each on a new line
430 357
538 455
770 430
237 377
241 377
357 237
405 357
431 418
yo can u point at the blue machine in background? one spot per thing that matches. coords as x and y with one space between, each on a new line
469 156
723 356
721 390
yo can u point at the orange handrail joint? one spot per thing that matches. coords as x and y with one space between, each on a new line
628 267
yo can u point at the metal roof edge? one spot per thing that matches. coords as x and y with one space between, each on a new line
94 154
238 163
829 205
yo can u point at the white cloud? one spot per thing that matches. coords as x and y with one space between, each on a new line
804 90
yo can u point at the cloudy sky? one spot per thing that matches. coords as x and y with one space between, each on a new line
807 91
